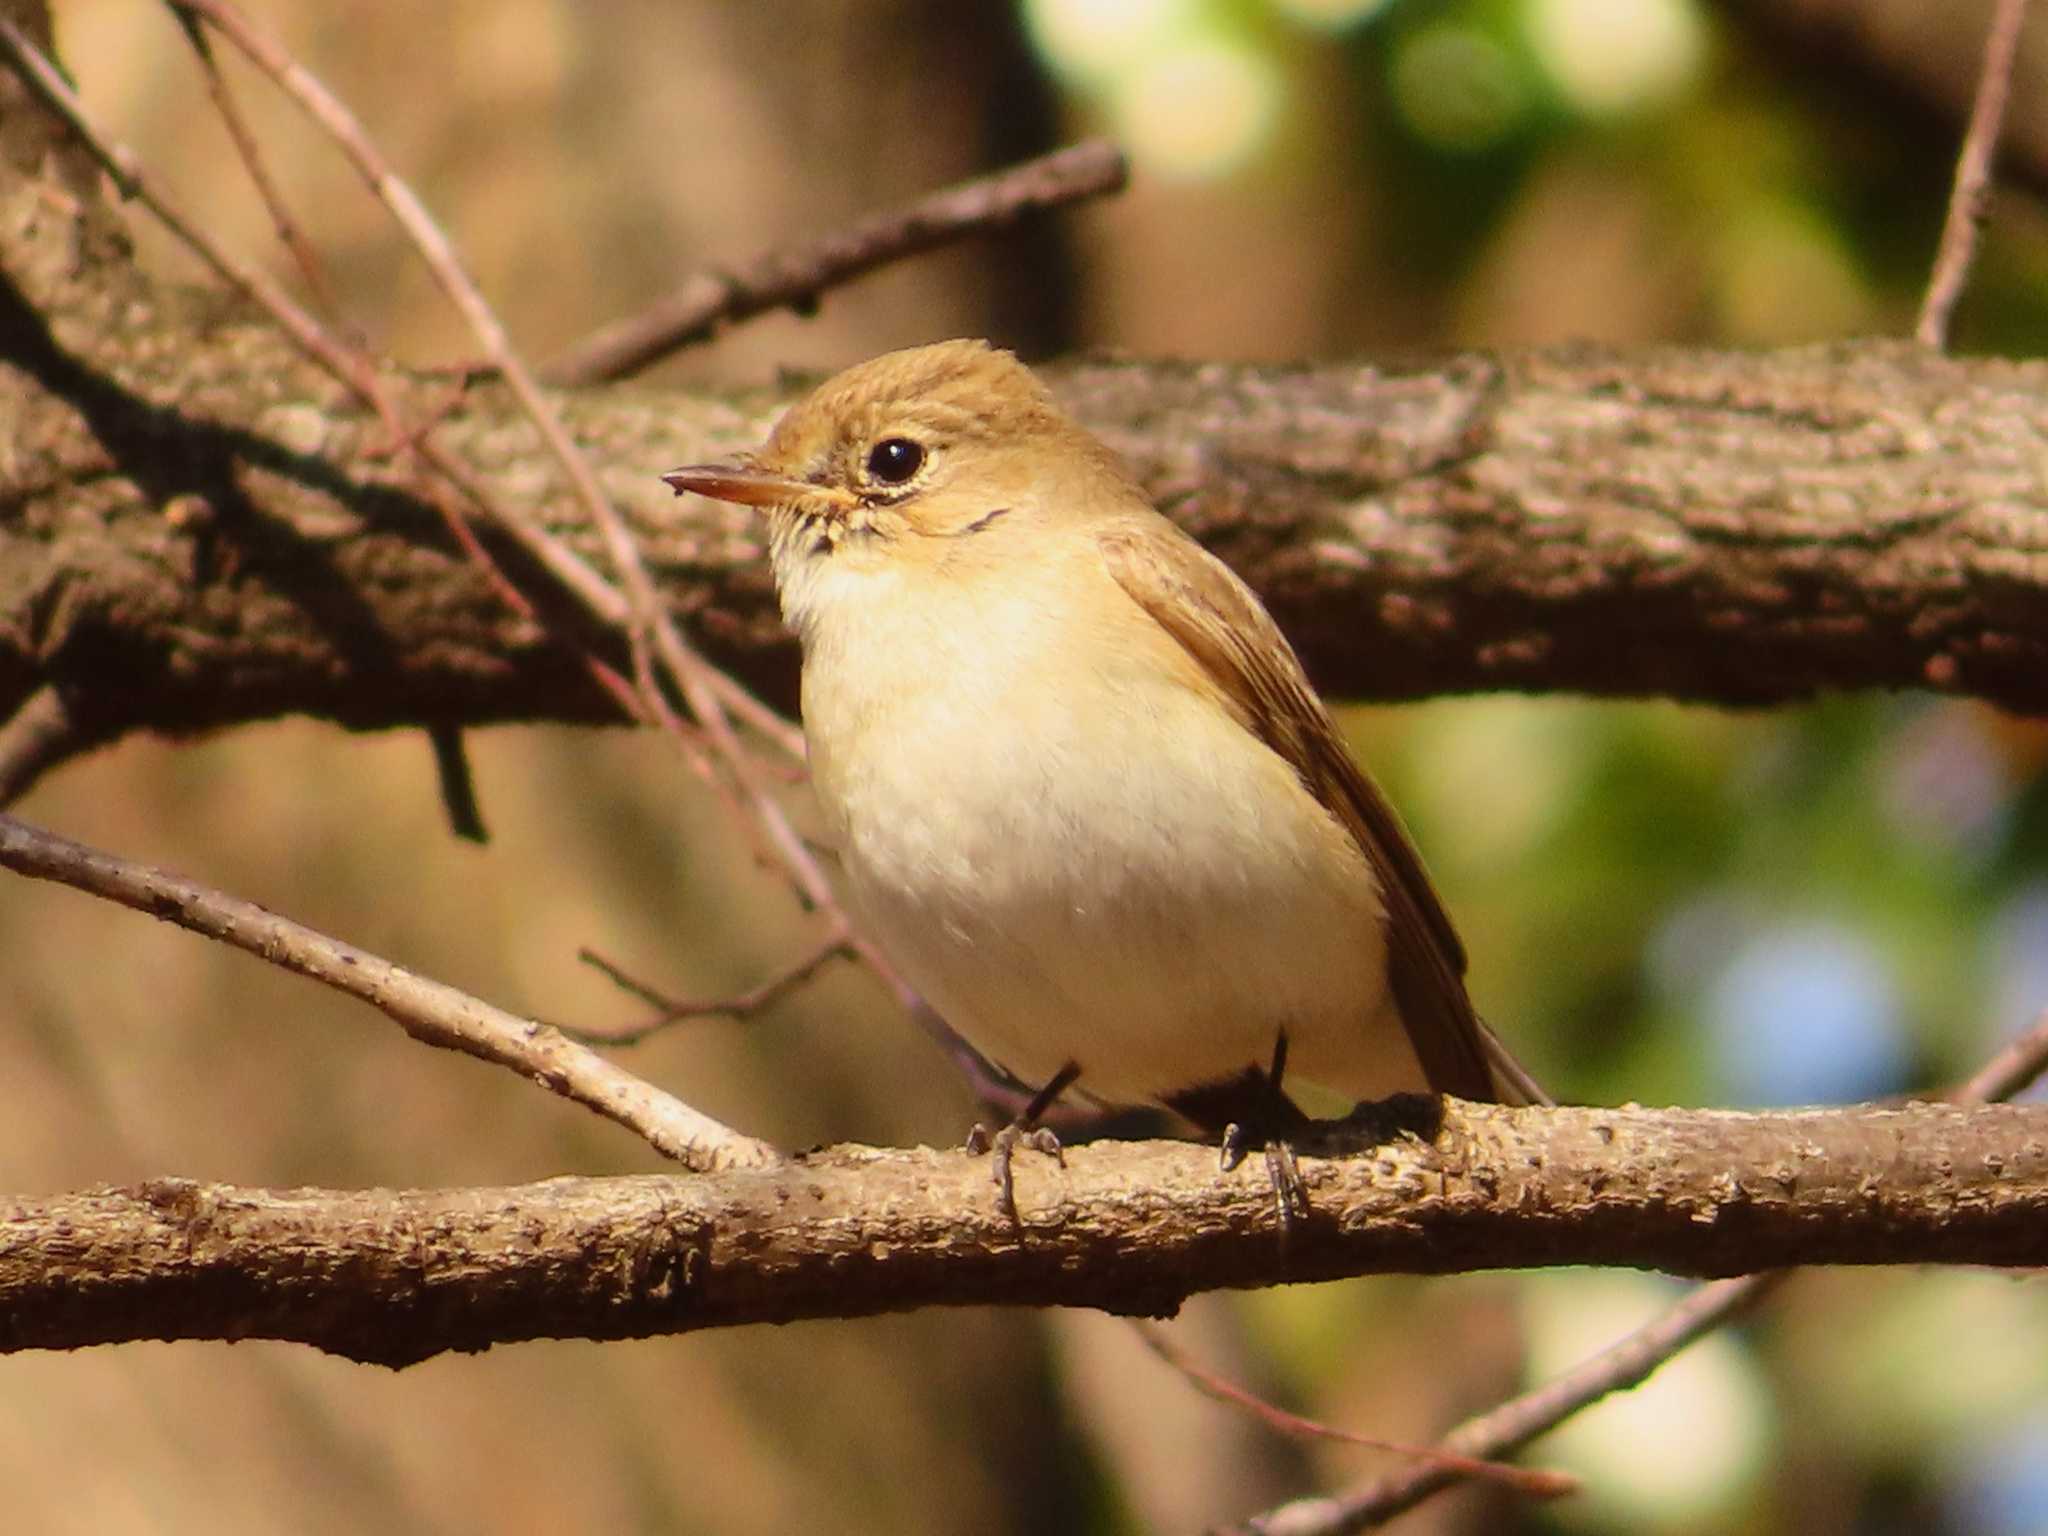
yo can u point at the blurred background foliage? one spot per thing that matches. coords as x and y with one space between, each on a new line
1664 904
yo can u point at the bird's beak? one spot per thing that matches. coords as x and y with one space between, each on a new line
743 483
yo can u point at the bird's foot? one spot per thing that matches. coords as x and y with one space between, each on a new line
1290 1194
998 1147
1254 1111
1026 1130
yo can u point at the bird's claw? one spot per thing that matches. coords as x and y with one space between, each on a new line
999 1145
1290 1194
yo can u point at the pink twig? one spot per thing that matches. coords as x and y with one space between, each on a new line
1970 199
644 614
1536 1482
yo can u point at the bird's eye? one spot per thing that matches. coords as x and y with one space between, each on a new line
895 459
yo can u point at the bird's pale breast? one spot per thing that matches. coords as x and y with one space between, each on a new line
1075 853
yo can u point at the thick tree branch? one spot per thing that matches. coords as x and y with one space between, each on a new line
395 1277
195 530
198 528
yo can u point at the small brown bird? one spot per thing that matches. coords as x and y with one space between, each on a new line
1082 793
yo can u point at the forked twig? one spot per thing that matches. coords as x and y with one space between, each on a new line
646 620
740 1005
287 227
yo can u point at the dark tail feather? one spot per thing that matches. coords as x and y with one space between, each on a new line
1512 1080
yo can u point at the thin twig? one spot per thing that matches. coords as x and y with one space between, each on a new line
355 370
429 1011
794 277
1625 1363
740 1005
120 163
457 523
694 675
646 616
1535 1482
1970 198
427 238
345 363
2010 1072
710 686
287 227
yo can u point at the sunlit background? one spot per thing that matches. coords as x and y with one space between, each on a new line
1666 905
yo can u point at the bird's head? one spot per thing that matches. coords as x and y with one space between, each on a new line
911 456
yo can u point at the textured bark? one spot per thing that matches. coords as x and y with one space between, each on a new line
197 528
394 1277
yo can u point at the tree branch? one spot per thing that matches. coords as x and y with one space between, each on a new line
395 1277
198 528
195 530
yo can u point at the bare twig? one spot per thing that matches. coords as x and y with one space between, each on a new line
1625 1363
120 162
1969 200
354 369
612 1093
740 1005
287 227
645 616
1535 1482
427 238
429 1011
2009 1072
342 360
565 567
795 277
694 676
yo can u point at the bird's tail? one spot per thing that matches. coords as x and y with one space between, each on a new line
1513 1082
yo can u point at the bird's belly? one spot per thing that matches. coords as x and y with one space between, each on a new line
1151 902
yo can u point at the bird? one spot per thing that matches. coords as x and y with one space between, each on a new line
1081 790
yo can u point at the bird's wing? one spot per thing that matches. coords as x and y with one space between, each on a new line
1213 616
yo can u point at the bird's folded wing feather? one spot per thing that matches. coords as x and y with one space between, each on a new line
1213 616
